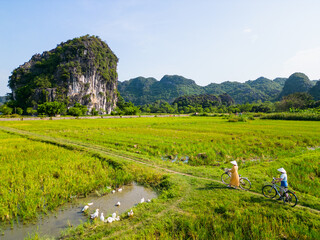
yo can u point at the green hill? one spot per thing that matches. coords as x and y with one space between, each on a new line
148 90
297 82
3 99
315 91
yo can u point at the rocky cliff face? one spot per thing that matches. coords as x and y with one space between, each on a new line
80 70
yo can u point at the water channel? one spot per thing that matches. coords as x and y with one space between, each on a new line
70 214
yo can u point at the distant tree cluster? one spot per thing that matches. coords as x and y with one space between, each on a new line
205 103
46 109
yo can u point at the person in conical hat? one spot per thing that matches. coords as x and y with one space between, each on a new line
283 179
234 180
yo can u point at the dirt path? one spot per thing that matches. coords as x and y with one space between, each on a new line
108 152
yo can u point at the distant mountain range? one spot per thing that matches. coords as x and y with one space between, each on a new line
142 90
3 99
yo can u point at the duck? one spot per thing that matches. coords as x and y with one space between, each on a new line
120 190
90 203
118 204
114 215
142 200
130 214
102 217
109 219
95 214
113 191
85 208
148 200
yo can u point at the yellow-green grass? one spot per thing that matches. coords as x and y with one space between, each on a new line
191 208
220 140
200 209
260 146
37 177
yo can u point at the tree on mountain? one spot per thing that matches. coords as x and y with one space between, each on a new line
298 100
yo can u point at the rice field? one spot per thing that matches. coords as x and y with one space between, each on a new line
187 208
38 177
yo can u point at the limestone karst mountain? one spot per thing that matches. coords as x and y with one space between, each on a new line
82 70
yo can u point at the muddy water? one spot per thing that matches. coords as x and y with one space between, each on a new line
70 214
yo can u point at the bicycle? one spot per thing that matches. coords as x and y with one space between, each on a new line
245 183
288 197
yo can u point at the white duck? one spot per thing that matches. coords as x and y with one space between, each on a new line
142 200
113 191
120 190
109 219
118 204
130 214
102 217
114 215
95 214
85 208
148 200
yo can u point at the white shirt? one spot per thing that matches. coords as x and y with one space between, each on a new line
284 177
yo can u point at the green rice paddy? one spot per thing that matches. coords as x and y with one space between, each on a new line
187 207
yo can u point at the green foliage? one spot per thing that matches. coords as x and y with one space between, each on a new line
303 116
51 108
5 110
31 111
203 100
19 111
295 100
94 112
125 108
78 110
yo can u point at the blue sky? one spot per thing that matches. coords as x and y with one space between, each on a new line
205 40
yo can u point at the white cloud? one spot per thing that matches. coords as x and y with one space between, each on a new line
305 61
247 30
253 37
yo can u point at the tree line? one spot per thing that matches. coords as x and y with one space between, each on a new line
182 105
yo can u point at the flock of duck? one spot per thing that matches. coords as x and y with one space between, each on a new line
114 216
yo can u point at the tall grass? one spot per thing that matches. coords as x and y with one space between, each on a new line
304 116
220 140
37 177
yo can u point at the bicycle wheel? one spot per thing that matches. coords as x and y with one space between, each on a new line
245 184
225 178
290 198
269 191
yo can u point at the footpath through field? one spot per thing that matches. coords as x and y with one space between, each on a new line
91 147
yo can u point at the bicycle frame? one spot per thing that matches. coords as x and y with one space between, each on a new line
277 188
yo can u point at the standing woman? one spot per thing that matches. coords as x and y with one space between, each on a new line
234 180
